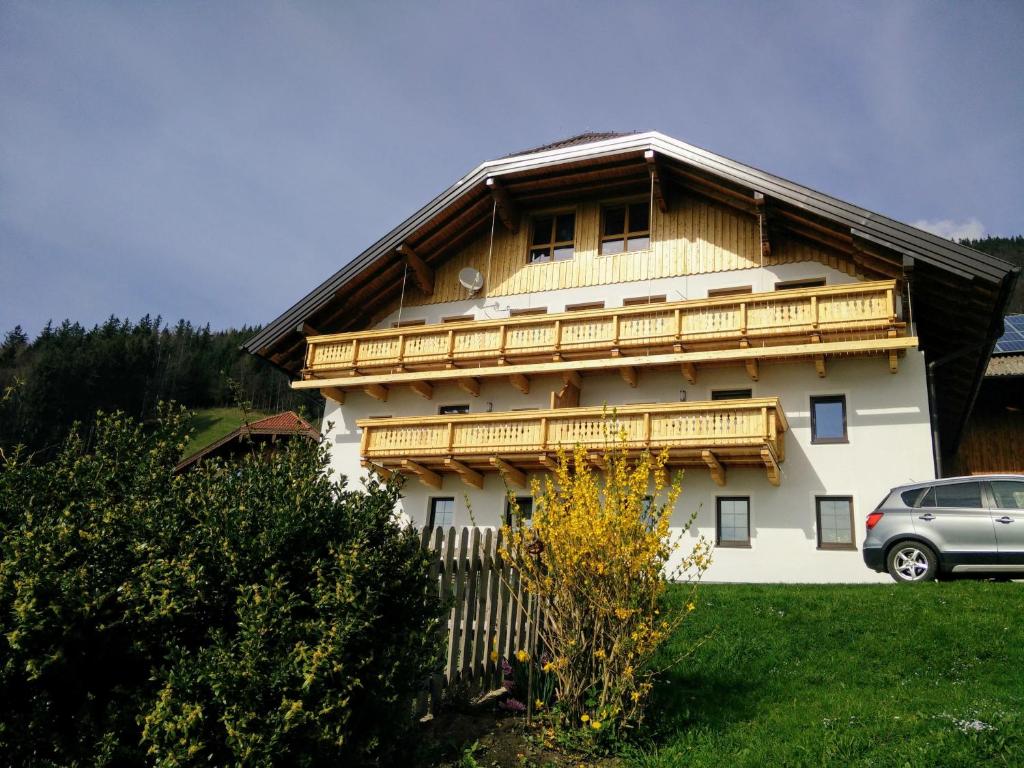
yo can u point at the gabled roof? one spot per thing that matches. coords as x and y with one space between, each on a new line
957 296
284 424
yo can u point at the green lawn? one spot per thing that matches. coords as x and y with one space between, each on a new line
211 424
925 675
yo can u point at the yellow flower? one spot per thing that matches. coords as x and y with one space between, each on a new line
538 704
494 656
635 695
523 656
690 607
585 718
596 725
548 666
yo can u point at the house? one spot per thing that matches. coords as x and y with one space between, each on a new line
796 354
261 435
994 436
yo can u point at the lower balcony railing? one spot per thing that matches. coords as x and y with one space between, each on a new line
715 435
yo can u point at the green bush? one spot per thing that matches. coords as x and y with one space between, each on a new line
255 613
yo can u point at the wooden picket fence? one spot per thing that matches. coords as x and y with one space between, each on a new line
488 610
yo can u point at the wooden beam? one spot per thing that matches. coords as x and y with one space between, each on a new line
512 475
334 393
469 476
717 470
573 378
658 180
377 392
428 477
764 222
508 211
690 372
520 382
819 360
384 473
470 386
421 271
422 388
598 461
771 465
306 329
752 369
630 375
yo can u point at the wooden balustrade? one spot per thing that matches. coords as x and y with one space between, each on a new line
852 311
712 434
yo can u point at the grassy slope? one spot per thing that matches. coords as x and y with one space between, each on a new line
211 424
845 675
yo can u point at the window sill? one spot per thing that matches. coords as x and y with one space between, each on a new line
732 545
623 253
830 441
837 547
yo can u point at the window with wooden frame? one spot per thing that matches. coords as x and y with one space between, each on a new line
828 419
442 513
625 227
552 237
407 323
834 522
732 521
807 282
584 305
638 300
731 394
525 504
448 410
527 311
456 318
735 290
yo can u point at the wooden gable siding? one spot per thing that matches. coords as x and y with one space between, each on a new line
694 237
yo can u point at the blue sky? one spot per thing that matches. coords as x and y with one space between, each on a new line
216 161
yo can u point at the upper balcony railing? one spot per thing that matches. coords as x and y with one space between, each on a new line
713 434
851 311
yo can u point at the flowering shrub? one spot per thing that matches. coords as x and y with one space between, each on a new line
600 569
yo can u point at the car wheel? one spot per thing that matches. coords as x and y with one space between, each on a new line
911 561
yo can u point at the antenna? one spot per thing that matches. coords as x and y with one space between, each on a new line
471 279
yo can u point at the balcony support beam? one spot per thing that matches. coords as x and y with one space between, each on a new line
470 386
690 372
713 464
422 388
377 392
334 393
383 472
630 375
470 477
511 475
428 477
771 465
422 273
520 382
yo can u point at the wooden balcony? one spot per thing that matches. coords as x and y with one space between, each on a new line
847 312
714 435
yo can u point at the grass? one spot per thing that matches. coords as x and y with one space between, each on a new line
211 424
925 675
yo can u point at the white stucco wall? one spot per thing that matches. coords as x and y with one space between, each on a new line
887 417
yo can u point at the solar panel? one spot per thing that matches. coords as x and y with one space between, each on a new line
1012 340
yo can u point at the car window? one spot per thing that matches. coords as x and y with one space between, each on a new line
1009 494
964 495
911 496
929 499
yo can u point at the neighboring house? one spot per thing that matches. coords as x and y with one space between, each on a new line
772 338
262 435
994 438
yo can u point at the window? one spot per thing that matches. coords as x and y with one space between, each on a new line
961 495
456 318
1009 494
447 410
735 290
807 282
584 305
442 513
525 504
408 323
733 521
637 300
527 311
625 228
730 394
646 515
835 522
828 419
553 238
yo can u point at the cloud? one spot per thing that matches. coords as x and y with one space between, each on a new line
971 229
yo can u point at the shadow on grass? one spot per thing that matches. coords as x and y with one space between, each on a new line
682 701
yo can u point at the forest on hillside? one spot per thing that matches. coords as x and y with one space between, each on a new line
69 372
1009 249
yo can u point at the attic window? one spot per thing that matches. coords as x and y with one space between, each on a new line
638 300
731 291
553 238
408 323
807 282
625 228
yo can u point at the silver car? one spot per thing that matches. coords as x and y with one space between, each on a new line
959 524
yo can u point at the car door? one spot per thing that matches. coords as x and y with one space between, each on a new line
1007 509
953 516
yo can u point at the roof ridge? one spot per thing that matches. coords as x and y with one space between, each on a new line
587 137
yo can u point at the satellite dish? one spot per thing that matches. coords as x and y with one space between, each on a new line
471 279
